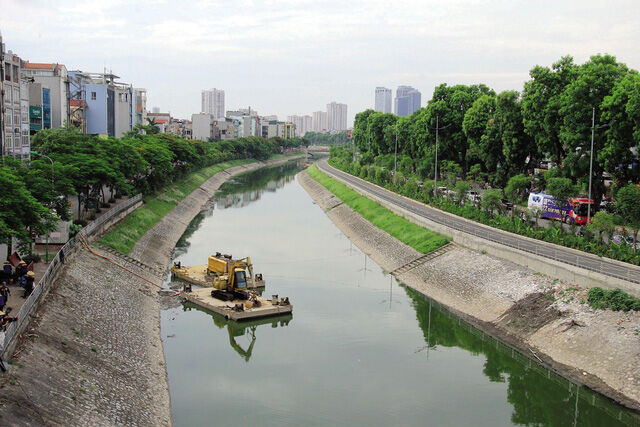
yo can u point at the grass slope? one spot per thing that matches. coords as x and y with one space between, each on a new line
417 237
124 236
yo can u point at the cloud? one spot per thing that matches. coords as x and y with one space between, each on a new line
294 56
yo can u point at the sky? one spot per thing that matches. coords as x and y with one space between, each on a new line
289 57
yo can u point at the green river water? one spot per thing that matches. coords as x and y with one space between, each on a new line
359 349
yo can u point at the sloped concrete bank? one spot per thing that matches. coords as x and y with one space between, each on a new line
543 318
93 353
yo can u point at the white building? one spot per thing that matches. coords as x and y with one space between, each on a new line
15 138
319 121
213 102
55 78
202 126
383 100
336 117
303 124
139 106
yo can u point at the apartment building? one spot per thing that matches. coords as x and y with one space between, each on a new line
108 104
407 100
53 77
336 117
319 121
14 107
383 100
213 102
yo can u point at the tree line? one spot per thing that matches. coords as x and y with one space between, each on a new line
67 163
494 136
317 138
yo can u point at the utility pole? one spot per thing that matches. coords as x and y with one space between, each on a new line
395 158
435 175
593 130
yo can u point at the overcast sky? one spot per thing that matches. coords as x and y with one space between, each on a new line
294 56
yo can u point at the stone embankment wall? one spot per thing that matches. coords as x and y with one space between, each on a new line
92 354
602 352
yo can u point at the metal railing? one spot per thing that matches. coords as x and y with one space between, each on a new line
544 249
48 278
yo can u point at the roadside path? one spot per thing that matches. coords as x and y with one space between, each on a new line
555 252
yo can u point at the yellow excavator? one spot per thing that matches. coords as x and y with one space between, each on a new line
230 276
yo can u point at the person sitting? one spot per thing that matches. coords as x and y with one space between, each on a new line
28 284
7 270
4 293
21 270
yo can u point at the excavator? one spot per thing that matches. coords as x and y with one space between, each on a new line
230 277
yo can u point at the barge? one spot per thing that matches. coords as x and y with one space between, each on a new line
239 309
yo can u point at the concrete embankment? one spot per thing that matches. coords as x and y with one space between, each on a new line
93 353
544 318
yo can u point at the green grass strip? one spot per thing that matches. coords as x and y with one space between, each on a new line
124 236
419 238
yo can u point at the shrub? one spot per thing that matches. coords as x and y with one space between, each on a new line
616 300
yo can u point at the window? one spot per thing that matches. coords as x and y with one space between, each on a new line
7 72
93 96
16 95
8 117
16 120
25 140
16 74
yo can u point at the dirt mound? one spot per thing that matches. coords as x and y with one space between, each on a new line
530 313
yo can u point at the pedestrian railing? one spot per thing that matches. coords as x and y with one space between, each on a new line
44 284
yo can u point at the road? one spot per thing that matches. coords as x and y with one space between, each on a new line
555 252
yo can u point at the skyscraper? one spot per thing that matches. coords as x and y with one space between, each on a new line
213 102
407 100
336 117
383 100
319 121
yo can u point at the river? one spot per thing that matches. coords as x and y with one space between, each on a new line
359 349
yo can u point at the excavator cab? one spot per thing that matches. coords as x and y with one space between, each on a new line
240 279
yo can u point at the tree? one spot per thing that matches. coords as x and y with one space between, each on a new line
628 206
516 189
561 189
622 109
603 222
594 81
492 200
477 119
462 189
20 213
541 103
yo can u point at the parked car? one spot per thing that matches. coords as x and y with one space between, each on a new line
474 196
506 204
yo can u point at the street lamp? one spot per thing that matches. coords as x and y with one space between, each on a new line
395 157
435 176
52 192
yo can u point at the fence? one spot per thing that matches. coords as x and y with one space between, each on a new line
569 256
31 304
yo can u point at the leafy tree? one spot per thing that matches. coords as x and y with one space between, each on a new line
622 110
516 187
542 99
475 124
492 200
628 206
561 189
594 81
462 189
603 222
20 213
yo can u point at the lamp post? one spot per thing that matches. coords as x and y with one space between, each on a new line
395 157
593 130
52 191
435 174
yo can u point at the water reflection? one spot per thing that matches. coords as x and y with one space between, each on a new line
247 188
538 396
240 329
